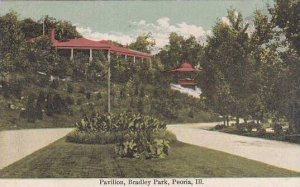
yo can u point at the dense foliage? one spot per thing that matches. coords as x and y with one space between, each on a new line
286 16
135 135
250 69
180 50
39 84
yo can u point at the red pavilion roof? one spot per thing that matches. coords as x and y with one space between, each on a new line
185 67
83 43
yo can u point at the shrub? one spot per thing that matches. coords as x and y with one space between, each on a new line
42 81
30 111
191 113
81 90
293 138
70 88
259 126
241 127
136 146
277 127
54 84
40 105
140 106
140 140
135 135
97 123
99 95
56 104
127 149
250 126
79 101
22 114
13 88
164 108
123 93
219 127
88 95
59 104
16 88
70 100
49 104
261 132
3 87
39 111
41 97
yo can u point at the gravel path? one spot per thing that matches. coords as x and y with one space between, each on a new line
16 144
280 154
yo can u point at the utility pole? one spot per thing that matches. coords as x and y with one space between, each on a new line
43 25
108 82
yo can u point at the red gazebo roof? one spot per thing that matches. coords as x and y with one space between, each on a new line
83 43
185 67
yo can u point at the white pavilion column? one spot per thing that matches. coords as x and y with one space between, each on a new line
134 59
142 60
72 54
108 82
91 55
125 57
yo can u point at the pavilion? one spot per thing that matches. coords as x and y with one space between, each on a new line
86 44
186 67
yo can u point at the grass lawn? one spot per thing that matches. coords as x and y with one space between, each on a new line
63 159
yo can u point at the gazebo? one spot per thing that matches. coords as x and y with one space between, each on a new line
86 44
185 67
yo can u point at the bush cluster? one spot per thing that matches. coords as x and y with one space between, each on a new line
248 127
12 88
50 103
219 127
277 127
135 135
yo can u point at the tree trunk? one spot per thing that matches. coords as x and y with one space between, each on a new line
237 121
294 121
227 119
297 119
262 116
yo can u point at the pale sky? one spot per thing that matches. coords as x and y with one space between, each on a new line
123 21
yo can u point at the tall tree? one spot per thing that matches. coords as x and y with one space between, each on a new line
31 28
179 50
267 68
143 43
12 38
286 16
225 78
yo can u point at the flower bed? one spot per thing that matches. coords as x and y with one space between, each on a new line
135 135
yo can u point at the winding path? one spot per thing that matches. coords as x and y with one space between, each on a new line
276 153
16 144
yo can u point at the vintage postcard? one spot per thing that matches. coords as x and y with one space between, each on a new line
150 93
